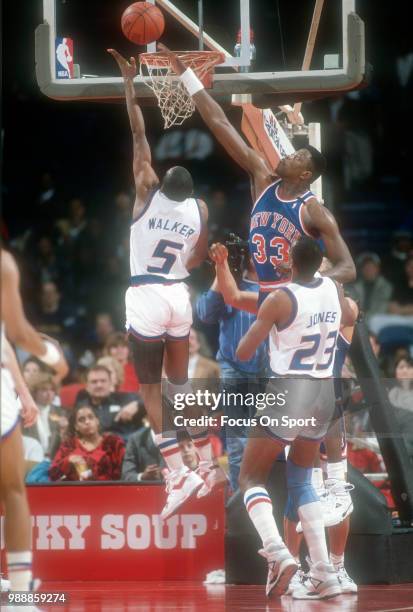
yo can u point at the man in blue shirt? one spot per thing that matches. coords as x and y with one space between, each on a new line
238 377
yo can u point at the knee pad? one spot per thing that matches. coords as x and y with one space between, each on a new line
299 485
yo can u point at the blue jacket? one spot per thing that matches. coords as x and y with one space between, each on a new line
233 325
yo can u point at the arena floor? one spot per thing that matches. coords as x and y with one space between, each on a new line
191 597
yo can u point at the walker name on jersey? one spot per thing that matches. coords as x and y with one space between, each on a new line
276 221
168 225
116 531
322 317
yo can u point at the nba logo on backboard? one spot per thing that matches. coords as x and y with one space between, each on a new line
64 58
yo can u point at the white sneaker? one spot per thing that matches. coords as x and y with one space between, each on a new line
281 568
213 476
296 581
347 584
340 489
321 582
4 585
336 503
180 485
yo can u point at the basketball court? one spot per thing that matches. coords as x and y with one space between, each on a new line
272 103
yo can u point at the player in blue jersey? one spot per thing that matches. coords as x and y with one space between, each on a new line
285 208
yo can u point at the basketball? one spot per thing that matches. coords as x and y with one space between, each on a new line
142 23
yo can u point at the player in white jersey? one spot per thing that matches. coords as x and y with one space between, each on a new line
13 494
169 236
303 320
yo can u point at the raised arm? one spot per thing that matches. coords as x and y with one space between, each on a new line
144 175
18 328
233 296
224 131
320 223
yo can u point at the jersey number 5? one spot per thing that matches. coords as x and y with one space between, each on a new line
168 257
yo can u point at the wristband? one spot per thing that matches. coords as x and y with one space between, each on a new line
52 354
191 82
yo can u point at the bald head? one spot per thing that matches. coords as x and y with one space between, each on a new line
177 184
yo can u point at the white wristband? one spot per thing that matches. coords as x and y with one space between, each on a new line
52 354
191 82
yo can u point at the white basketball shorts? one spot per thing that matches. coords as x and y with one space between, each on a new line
9 405
158 311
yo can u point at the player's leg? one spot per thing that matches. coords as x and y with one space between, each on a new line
176 368
336 456
181 483
323 579
259 456
17 524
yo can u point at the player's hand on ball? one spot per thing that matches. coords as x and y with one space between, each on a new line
218 253
128 68
177 65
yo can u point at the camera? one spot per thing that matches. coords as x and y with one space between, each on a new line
238 253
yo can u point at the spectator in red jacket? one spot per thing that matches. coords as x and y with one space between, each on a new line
87 454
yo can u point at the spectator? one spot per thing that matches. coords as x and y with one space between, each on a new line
87 454
46 265
402 298
77 221
363 458
118 412
32 367
115 369
102 331
372 289
200 368
52 422
401 395
144 462
33 453
117 346
393 263
53 317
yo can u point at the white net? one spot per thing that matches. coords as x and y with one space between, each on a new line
174 101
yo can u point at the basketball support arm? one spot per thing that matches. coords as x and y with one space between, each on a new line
283 87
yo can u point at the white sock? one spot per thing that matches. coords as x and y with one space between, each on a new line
337 560
336 471
259 507
20 570
313 528
317 481
202 444
199 436
170 451
345 468
177 393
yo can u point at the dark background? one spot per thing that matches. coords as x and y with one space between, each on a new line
83 149
86 146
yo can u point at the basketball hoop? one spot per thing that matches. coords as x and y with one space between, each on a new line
173 99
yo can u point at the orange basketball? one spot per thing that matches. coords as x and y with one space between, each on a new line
142 23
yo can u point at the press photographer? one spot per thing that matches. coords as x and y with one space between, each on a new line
237 377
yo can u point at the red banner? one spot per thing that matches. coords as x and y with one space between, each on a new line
115 533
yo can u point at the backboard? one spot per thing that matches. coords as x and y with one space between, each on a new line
233 77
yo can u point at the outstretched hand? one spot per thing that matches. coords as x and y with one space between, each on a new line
177 65
128 68
218 253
